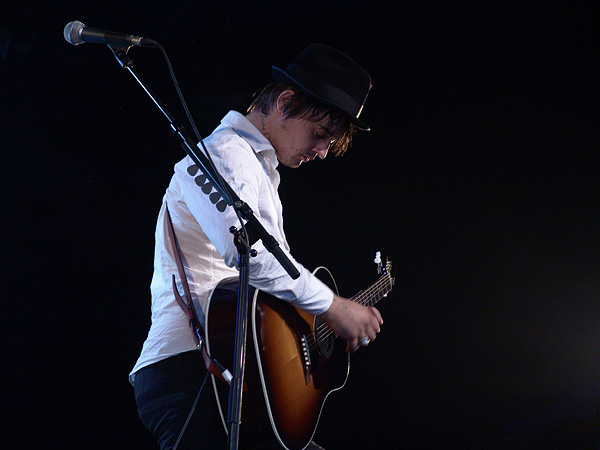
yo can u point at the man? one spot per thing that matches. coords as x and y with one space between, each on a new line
313 107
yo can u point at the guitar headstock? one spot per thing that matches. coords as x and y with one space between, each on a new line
381 270
384 270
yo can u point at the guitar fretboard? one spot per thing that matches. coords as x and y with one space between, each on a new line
377 290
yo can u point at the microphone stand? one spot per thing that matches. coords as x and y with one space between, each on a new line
249 233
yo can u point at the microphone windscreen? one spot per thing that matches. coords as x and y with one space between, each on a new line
72 32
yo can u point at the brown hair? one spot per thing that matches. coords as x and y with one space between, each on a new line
304 107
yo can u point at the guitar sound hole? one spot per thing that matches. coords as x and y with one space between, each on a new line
325 338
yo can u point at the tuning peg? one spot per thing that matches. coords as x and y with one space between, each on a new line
377 258
378 262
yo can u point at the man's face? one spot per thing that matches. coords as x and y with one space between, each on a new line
299 140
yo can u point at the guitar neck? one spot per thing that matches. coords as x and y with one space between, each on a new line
377 290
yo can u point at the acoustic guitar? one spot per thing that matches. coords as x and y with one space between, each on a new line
293 359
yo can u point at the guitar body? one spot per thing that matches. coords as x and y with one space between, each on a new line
292 364
293 360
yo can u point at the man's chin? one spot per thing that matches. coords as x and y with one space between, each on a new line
292 164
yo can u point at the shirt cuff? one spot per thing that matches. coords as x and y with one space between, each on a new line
317 297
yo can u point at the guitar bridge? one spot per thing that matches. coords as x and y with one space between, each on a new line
307 363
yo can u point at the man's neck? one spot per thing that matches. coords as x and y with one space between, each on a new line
260 121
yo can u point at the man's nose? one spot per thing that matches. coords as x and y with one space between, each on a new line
322 149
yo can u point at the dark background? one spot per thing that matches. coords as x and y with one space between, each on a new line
478 180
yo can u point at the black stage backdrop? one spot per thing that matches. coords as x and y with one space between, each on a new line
478 180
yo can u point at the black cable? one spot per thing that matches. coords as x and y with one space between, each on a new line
201 141
189 417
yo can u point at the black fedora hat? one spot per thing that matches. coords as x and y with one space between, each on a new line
330 77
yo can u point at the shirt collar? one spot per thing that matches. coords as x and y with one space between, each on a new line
247 131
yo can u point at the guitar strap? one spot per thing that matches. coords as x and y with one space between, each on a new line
213 366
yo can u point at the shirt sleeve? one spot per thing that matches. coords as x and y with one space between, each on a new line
239 165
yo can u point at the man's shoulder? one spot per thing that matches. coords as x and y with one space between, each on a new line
228 147
226 137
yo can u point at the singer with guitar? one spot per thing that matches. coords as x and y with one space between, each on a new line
311 108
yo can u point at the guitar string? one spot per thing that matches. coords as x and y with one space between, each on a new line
376 290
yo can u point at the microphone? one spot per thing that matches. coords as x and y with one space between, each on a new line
77 33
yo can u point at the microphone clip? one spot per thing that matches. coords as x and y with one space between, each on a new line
122 57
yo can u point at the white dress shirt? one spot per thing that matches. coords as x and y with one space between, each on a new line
247 161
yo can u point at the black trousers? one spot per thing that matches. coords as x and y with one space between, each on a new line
165 393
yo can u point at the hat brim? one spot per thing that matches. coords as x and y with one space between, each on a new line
280 75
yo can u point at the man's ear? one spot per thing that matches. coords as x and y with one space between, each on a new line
283 99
